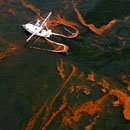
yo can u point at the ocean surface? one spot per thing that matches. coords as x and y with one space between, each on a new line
85 88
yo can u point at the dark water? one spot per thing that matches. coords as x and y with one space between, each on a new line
31 85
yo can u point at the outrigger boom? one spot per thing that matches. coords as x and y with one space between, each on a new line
44 22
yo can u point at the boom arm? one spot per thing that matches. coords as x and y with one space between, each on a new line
30 37
44 22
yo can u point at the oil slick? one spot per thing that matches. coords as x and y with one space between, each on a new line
54 114
57 20
72 115
91 26
75 97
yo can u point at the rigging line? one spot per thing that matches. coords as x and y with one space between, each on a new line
68 30
36 39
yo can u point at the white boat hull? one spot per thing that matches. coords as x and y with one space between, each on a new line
33 29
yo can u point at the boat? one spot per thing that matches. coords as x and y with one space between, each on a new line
38 28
